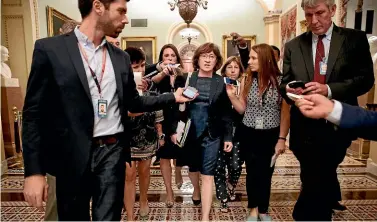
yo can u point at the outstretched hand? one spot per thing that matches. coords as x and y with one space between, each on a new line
180 98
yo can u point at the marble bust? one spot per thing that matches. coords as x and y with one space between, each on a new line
5 70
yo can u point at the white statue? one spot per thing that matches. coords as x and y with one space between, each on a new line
5 70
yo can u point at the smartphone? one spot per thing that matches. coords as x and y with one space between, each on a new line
190 92
297 84
230 81
294 97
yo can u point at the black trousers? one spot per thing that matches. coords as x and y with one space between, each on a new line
257 149
103 182
233 162
320 185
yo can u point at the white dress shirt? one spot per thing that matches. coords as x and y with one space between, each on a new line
111 124
336 113
326 43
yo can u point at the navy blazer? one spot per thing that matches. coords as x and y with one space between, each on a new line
220 108
363 121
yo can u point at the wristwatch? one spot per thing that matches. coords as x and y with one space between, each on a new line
161 137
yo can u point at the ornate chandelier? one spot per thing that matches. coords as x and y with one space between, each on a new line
189 34
188 8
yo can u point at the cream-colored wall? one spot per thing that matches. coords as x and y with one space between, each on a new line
221 17
245 17
18 33
368 5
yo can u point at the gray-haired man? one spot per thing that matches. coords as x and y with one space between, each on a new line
336 63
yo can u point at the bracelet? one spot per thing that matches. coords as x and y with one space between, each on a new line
282 138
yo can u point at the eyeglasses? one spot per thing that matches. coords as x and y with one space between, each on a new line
206 56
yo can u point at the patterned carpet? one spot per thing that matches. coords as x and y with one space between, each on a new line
359 195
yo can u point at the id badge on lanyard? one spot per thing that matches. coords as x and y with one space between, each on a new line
101 103
102 108
323 67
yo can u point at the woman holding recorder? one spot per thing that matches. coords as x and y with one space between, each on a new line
264 126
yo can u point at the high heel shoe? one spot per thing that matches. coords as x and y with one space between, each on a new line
169 204
196 202
178 181
143 212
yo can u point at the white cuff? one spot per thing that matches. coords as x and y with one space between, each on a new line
329 94
336 113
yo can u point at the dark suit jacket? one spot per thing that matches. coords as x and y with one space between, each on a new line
58 114
220 109
364 122
349 75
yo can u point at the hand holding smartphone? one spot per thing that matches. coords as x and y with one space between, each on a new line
297 84
190 92
230 81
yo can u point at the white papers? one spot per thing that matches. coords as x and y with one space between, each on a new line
180 130
137 78
273 159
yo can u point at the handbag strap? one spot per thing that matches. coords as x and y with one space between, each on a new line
188 79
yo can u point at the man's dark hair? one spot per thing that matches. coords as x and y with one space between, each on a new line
85 6
276 49
136 54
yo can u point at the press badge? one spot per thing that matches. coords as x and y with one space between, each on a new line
322 68
259 122
102 108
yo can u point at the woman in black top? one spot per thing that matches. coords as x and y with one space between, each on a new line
167 81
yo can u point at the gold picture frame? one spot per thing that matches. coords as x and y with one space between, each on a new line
55 20
227 44
304 26
147 44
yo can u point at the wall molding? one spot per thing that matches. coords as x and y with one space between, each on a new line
5 19
36 18
13 4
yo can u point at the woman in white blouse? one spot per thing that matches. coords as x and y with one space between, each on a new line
264 126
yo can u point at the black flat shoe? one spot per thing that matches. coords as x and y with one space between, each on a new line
196 202
339 207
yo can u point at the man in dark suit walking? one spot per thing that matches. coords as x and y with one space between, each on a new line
75 115
334 62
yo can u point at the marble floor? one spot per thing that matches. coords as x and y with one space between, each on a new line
359 191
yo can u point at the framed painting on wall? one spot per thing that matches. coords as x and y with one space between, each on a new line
287 28
230 50
304 26
55 20
147 44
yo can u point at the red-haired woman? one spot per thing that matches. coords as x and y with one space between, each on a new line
264 126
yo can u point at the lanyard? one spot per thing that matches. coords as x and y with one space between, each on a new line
98 84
